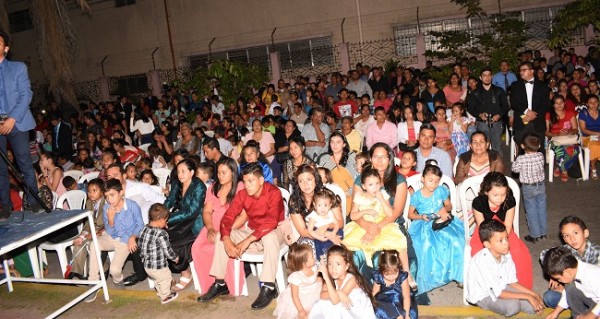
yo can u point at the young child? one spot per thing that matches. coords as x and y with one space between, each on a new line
575 234
205 173
362 159
460 123
95 202
581 281
345 293
443 138
408 162
390 288
530 167
155 249
123 222
319 220
492 283
155 154
373 206
131 172
69 183
439 252
148 177
495 201
304 287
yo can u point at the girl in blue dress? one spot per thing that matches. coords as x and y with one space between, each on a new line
391 290
439 252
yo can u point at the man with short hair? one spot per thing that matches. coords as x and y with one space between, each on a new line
316 133
504 78
378 82
212 152
263 205
427 151
357 85
334 87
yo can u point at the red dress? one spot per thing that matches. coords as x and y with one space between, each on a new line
518 250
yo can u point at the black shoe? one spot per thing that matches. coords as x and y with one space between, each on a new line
531 239
4 214
266 295
74 275
131 280
36 208
213 292
543 237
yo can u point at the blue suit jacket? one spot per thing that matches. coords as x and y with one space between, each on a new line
18 94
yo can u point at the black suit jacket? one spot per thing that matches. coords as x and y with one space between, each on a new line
65 140
540 105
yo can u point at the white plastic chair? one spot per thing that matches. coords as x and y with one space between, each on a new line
144 147
163 176
88 177
586 155
473 184
75 173
551 165
258 259
75 200
416 184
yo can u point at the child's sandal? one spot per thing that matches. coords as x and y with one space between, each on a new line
594 174
182 284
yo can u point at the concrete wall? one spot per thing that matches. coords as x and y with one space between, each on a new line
128 35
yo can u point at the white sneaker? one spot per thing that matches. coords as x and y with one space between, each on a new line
169 298
92 297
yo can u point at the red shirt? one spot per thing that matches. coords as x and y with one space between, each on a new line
562 124
346 108
264 212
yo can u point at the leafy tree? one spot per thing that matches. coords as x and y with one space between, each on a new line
577 14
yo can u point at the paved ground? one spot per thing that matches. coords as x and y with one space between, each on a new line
34 301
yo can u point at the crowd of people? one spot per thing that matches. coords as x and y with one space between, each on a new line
342 146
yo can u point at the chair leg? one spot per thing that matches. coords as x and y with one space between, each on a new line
550 165
62 259
582 167
195 278
279 276
42 260
236 277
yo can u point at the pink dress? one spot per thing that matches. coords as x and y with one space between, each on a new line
203 251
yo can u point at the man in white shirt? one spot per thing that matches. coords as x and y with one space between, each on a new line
217 106
581 280
316 134
357 85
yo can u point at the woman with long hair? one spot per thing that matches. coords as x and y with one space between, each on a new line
561 122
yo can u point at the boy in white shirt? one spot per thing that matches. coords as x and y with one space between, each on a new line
581 280
492 282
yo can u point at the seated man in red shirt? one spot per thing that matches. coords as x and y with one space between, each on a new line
264 206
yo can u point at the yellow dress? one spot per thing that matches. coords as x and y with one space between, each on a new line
390 236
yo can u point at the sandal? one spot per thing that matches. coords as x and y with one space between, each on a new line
556 172
182 284
594 174
564 176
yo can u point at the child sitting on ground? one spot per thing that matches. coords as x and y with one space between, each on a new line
304 284
581 280
530 167
390 288
155 249
123 222
575 234
492 283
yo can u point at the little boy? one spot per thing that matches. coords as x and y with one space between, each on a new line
69 183
530 167
123 222
155 249
205 173
492 282
95 202
575 234
581 280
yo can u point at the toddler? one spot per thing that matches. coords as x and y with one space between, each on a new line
460 123
157 159
319 221
390 288
131 172
205 173
148 177
69 183
155 249
304 284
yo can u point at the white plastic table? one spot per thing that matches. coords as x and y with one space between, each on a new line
24 228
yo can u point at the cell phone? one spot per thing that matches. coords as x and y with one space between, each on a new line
3 117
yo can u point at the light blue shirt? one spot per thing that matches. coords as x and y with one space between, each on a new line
442 158
128 221
498 79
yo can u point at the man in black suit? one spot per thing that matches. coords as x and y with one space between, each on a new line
62 138
530 100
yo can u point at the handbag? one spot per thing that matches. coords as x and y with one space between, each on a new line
437 225
282 157
563 140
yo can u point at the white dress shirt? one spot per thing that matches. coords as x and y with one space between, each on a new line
488 277
587 280
529 90
143 195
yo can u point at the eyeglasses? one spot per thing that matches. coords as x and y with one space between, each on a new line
523 70
380 157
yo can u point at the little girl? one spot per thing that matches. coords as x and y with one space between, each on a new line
408 161
439 252
157 160
495 201
443 139
148 177
320 219
373 206
390 288
362 159
131 172
460 124
345 293
304 285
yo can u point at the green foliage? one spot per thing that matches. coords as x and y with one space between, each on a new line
473 7
577 14
390 65
452 44
442 74
233 79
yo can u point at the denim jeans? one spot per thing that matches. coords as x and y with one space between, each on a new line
19 143
551 298
494 134
534 200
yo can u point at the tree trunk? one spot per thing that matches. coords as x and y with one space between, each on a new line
56 46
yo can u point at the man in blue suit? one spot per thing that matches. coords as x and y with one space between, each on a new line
15 96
